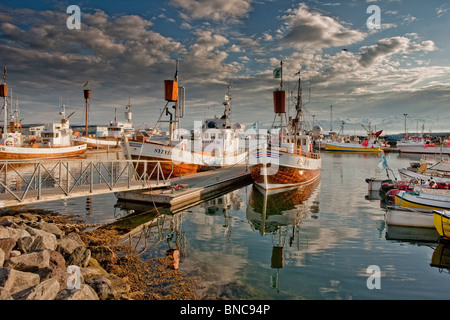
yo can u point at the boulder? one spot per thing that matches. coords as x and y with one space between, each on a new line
43 242
108 286
16 233
48 227
46 290
79 257
29 262
14 281
84 293
47 239
7 244
2 257
24 244
4 232
66 245
56 269
101 253
94 269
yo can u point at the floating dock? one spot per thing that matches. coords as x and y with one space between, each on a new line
192 189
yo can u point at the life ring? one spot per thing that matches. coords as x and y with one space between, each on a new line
9 142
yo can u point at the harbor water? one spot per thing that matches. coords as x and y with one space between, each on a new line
242 245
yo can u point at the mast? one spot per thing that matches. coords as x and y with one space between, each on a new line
4 94
298 126
87 96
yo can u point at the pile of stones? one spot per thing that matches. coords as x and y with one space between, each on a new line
39 261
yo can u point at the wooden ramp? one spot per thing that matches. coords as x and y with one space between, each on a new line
191 189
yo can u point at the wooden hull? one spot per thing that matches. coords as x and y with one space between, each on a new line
23 153
287 170
176 162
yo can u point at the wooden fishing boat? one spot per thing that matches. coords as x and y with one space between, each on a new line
214 144
290 160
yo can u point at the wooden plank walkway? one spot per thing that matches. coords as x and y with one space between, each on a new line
192 189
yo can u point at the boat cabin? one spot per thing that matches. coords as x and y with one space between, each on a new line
56 135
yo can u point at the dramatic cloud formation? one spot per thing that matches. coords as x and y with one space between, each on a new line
129 53
312 30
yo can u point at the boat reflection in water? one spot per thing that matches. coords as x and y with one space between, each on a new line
281 215
441 257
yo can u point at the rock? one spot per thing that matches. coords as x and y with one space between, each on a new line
3 232
7 244
48 227
14 253
56 269
46 290
29 216
43 242
14 281
66 245
24 244
16 233
84 293
8 222
79 257
5 295
47 239
2 257
108 286
29 262
94 269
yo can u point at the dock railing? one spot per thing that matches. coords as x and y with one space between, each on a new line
26 181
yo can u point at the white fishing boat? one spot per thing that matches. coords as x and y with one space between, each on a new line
214 144
116 130
56 142
409 175
290 160
421 145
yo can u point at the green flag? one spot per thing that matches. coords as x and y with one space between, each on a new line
277 73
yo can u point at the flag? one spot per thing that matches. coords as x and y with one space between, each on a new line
86 84
277 73
382 164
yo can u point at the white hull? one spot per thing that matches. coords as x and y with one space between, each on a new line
409 217
407 175
422 149
24 153
139 150
101 143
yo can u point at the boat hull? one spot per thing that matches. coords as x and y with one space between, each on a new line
99 143
422 200
410 217
287 171
441 221
423 149
24 153
348 147
176 162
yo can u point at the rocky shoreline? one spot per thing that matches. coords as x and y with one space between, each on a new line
45 256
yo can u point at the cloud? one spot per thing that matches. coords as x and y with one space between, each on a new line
213 9
306 29
386 47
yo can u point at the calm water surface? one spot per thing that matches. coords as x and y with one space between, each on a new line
316 248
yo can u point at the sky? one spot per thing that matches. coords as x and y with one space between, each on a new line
352 73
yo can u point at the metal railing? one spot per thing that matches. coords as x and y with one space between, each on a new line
31 179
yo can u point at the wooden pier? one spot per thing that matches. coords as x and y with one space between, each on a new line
191 189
